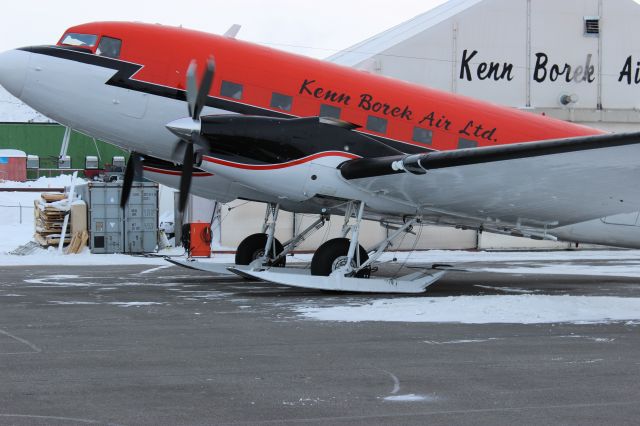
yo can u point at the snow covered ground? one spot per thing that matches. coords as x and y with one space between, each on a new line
16 210
511 309
17 228
516 305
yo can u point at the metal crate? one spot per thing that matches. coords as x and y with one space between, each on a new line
114 230
141 219
105 218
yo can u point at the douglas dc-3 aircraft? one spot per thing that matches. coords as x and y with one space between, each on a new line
309 136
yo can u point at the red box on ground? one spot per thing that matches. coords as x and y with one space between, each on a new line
200 244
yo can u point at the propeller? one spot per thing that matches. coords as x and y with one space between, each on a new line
133 171
188 129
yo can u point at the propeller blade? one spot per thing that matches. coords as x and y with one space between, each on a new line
187 174
133 170
203 91
192 87
178 151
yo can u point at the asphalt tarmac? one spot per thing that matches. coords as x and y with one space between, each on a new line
136 345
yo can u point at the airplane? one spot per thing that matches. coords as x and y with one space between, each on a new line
308 136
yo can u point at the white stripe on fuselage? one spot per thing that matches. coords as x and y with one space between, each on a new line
76 95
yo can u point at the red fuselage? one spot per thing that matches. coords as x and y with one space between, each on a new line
409 117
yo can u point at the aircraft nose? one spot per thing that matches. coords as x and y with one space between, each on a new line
13 70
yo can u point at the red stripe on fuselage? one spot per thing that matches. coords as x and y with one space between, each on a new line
281 165
174 172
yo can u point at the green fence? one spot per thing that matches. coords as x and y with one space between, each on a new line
45 140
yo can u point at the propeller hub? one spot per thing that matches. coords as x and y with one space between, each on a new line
184 128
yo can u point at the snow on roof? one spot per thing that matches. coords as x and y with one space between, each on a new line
405 31
13 153
12 110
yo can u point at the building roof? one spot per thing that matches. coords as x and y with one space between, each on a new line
12 153
400 33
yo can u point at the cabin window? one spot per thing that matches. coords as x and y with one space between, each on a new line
83 40
376 124
422 135
109 47
280 101
329 111
467 143
231 90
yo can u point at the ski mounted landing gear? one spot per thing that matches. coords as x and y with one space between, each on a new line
343 265
340 264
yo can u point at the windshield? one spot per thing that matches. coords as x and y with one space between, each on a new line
74 39
109 47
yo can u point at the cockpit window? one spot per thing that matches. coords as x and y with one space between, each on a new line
83 40
109 47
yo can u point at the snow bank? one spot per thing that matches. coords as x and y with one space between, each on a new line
521 309
44 182
449 256
628 270
52 257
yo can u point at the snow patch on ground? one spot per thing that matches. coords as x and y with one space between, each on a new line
626 270
410 398
134 304
152 270
507 309
52 257
591 338
460 342
507 289
452 256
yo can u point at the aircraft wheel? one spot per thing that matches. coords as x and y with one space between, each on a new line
252 248
333 255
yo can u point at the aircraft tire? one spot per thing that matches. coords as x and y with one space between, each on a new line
252 247
332 254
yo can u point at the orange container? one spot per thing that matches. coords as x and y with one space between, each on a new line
200 241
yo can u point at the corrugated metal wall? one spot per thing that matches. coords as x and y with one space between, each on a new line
44 140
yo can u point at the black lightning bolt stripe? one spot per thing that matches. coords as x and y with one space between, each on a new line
125 78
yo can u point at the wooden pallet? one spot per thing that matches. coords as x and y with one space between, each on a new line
78 242
51 240
50 197
49 220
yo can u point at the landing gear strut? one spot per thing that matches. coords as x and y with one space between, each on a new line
340 255
262 249
265 250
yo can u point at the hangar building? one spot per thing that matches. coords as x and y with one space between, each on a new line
577 60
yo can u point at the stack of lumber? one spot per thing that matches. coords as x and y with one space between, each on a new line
49 212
